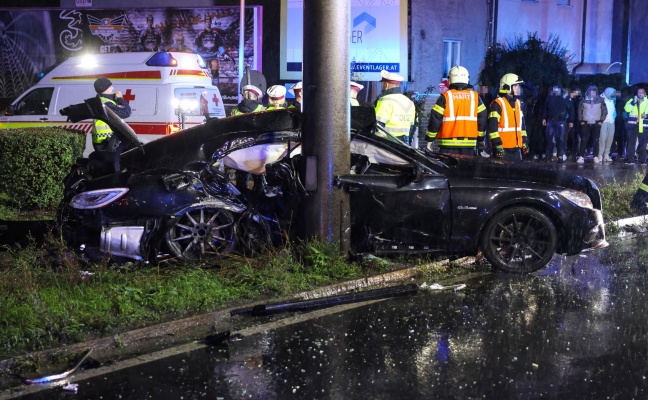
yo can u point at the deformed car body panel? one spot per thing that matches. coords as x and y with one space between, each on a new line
402 199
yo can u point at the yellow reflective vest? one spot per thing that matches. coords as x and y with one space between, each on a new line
397 113
100 130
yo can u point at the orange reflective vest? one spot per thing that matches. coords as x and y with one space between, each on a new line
510 124
460 115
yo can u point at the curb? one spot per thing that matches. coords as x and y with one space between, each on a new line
139 341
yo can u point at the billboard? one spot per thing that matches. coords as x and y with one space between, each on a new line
56 35
378 39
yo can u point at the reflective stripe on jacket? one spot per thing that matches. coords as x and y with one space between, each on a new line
397 113
459 127
509 127
100 130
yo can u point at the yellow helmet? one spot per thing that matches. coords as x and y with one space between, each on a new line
458 74
507 82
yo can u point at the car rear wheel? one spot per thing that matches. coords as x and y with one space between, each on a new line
202 233
520 240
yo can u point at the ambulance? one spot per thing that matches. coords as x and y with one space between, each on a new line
166 91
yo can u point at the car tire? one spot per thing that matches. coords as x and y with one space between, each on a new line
519 240
202 233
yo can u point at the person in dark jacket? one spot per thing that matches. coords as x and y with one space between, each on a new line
102 135
555 116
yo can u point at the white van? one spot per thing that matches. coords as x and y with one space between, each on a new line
166 92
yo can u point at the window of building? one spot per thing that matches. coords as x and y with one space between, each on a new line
451 55
564 2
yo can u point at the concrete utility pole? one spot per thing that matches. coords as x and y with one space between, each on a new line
326 118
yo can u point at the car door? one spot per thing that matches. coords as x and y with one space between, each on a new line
30 110
397 205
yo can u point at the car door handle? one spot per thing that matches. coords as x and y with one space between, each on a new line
44 119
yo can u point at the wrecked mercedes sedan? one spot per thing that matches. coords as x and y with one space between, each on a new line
177 196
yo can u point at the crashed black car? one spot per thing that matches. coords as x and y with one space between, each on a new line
176 196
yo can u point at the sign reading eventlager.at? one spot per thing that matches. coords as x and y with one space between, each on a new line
378 39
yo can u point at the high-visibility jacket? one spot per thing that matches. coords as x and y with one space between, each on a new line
397 113
461 122
506 126
236 111
100 130
637 111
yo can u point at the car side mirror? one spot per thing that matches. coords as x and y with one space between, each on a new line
11 110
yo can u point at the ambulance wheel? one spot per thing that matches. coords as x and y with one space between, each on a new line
202 233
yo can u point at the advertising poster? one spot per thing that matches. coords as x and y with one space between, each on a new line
211 32
378 39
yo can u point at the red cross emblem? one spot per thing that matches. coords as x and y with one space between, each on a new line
128 96
215 99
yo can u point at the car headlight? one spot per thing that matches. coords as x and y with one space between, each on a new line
97 198
578 198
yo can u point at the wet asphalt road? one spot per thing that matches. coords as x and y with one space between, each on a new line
575 330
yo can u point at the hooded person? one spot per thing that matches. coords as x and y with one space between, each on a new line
251 101
276 97
555 115
607 127
591 114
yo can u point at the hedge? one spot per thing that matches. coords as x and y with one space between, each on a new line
33 164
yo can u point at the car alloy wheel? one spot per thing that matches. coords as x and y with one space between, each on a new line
202 233
519 240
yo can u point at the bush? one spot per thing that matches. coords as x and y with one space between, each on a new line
34 163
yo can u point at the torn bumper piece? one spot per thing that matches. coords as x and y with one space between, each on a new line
323 302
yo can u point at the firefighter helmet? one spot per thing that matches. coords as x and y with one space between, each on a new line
507 82
458 74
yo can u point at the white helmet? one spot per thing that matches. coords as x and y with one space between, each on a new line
507 82
458 74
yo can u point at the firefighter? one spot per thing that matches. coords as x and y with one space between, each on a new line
102 135
250 103
458 118
354 90
395 113
506 126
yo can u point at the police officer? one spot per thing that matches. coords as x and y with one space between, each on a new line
296 89
458 118
506 126
395 113
102 135
355 89
276 97
250 102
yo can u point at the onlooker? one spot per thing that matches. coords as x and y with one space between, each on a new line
102 135
554 117
591 114
355 89
395 113
444 86
250 102
607 128
276 97
637 109
573 137
506 126
458 118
